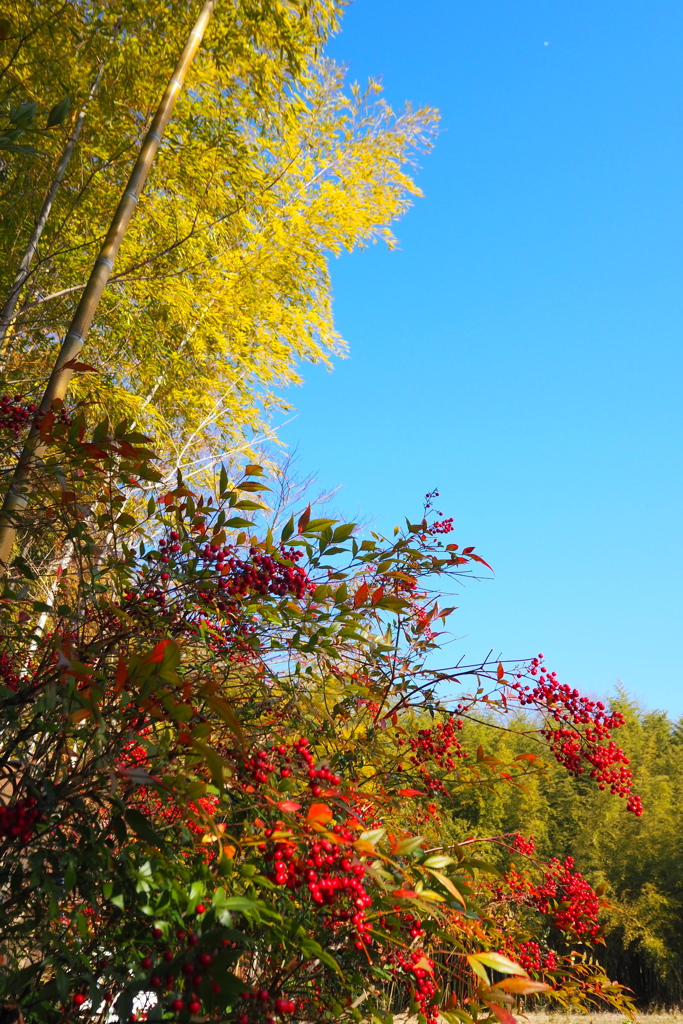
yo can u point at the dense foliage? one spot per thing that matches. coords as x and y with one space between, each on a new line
234 779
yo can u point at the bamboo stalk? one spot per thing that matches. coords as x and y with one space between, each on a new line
16 497
7 312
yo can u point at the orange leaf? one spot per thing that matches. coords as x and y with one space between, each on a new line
320 813
522 986
404 894
501 670
378 595
410 792
361 595
80 716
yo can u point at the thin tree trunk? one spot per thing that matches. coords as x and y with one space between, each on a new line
7 312
58 567
16 497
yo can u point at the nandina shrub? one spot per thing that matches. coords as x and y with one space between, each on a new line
227 767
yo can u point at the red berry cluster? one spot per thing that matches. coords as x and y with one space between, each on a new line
260 574
570 899
524 845
18 820
260 1002
8 671
529 956
419 970
440 745
333 875
14 415
564 895
571 748
440 526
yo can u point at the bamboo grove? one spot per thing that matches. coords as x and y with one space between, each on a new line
233 785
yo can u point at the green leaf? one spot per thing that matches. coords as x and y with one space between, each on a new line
314 949
23 115
498 962
288 530
408 845
214 761
141 826
237 522
478 969
59 112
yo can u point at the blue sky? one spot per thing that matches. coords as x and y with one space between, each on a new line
522 349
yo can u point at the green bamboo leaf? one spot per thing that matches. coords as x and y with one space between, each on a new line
59 112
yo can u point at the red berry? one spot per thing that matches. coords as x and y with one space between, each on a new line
177 1004
205 959
201 909
147 963
194 1006
157 933
79 1000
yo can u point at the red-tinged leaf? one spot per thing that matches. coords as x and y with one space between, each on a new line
304 520
501 670
157 655
93 451
47 423
404 894
378 595
319 813
289 805
166 499
480 753
468 551
121 674
503 1015
483 562
527 757
361 595
78 367
410 792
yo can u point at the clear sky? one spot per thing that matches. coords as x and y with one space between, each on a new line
522 349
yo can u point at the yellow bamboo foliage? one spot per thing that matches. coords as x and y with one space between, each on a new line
270 165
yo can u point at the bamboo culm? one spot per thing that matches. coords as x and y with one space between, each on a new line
22 274
16 498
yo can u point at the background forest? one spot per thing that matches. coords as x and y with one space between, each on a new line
221 722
